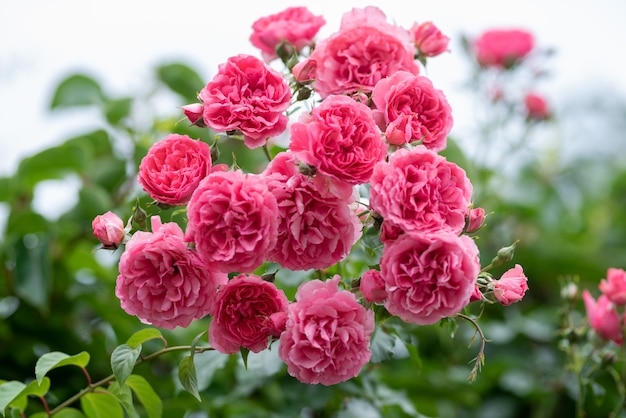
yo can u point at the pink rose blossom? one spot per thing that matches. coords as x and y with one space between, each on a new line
536 107
316 227
194 113
327 336
241 314
511 286
373 286
109 229
603 317
233 219
428 39
295 25
420 191
365 50
503 48
248 96
162 282
614 286
173 168
474 220
340 139
429 276
409 108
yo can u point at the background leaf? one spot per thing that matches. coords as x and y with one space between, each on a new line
181 79
77 90
101 404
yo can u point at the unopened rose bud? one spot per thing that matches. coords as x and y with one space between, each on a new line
139 216
373 286
505 254
536 107
194 114
428 39
569 292
474 220
109 229
476 294
304 71
511 287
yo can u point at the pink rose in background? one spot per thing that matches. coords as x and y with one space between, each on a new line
109 229
614 286
603 317
373 286
409 108
536 107
428 39
327 335
173 168
316 227
241 314
420 191
511 286
429 276
233 220
474 220
162 282
295 25
503 48
248 96
365 50
340 139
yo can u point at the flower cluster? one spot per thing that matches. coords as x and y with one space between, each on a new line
607 315
365 157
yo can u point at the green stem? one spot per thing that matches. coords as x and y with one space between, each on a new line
480 357
267 152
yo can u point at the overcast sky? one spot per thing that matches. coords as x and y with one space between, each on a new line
119 42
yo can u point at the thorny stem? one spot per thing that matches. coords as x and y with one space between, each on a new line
92 387
479 360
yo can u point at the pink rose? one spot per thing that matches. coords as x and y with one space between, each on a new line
327 336
109 229
474 220
241 314
536 107
420 191
614 287
503 48
428 39
233 219
511 287
194 113
340 139
248 96
316 227
162 282
173 168
364 51
603 317
373 286
294 25
476 294
429 276
409 108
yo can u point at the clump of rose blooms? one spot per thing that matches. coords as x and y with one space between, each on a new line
365 156
607 314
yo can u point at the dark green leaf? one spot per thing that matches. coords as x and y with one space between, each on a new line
33 279
6 189
56 359
94 201
123 360
101 404
188 377
144 335
181 79
117 109
146 395
244 356
9 391
77 90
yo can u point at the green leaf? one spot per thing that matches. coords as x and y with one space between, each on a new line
181 79
6 189
146 395
98 404
123 360
9 391
77 90
50 164
117 109
244 356
188 377
144 335
124 396
94 200
68 413
56 359
32 389
33 278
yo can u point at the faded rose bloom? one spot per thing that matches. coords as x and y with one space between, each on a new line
173 168
511 286
429 276
503 48
420 191
340 139
109 229
603 317
536 107
614 286
328 334
409 108
295 25
162 282
373 286
316 227
233 219
428 39
474 220
241 314
248 96
194 113
365 50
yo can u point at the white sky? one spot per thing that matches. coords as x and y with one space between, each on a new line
119 42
